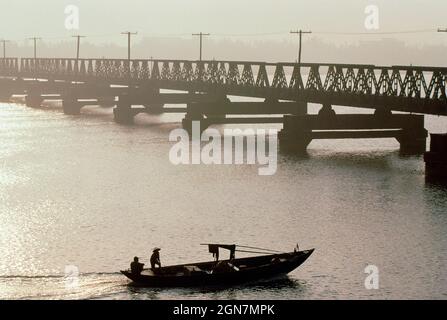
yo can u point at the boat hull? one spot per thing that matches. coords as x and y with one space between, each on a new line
262 268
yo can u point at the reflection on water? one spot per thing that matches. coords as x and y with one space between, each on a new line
247 291
112 286
84 191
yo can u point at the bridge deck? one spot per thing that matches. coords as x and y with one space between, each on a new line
399 88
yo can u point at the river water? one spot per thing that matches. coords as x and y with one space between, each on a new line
91 194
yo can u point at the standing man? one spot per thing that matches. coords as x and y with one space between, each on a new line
155 258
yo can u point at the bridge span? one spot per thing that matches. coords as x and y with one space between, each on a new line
204 89
397 88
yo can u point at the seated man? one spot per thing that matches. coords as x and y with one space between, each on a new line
155 258
136 267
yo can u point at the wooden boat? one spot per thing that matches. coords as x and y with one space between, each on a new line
225 272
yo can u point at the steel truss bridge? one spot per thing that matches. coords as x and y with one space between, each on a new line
411 89
205 87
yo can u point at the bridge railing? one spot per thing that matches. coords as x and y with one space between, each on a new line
9 66
288 78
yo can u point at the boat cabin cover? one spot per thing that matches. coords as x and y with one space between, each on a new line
214 249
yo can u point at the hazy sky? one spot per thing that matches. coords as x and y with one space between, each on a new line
24 18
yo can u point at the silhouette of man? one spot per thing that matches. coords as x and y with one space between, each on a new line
136 267
155 258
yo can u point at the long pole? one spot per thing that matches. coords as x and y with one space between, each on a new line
4 47
35 45
78 44
201 42
129 35
300 33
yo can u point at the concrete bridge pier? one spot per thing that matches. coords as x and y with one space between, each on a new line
297 132
154 108
218 109
193 114
436 159
295 136
5 95
413 141
151 106
6 89
123 113
412 137
300 130
206 113
107 102
301 108
71 105
33 99
383 112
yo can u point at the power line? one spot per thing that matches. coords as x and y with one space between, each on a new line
277 33
376 33
250 34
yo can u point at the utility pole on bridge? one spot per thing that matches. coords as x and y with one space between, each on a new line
78 44
129 35
201 36
4 41
35 45
300 33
